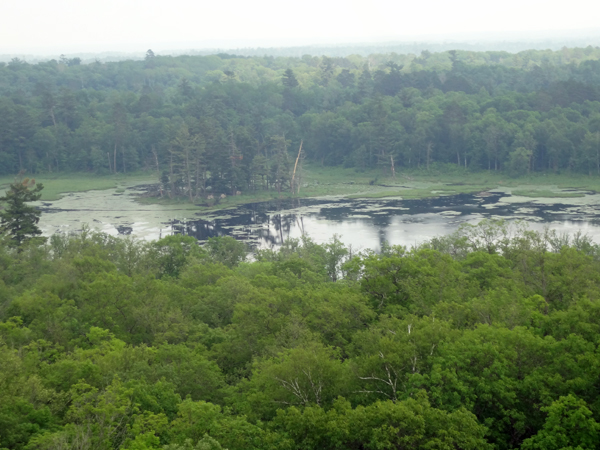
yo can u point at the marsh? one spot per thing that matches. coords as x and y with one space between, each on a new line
364 223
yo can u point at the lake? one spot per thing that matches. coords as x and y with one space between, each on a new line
362 223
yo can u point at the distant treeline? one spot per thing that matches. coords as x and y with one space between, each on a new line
407 47
229 123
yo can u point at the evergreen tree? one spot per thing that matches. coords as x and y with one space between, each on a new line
18 219
289 79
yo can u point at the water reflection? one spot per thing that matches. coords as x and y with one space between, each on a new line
362 223
248 224
370 223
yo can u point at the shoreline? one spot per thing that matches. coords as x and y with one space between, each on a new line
322 182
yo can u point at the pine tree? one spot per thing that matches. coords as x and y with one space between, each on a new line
18 219
289 79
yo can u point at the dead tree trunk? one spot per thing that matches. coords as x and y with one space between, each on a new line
295 166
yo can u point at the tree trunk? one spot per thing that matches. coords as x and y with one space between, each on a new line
52 115
171 182
156 160
429 145
598 151
295 166
188 174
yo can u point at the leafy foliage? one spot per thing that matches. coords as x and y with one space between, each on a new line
109 343
223 124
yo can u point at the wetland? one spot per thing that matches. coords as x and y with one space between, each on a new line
360 222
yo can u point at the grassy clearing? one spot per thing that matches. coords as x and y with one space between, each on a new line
407 184
434 191
414 184
445 181
402 194
546 194
56 184
405 193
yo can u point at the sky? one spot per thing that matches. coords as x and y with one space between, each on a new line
65 26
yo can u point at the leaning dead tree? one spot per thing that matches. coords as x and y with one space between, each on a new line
293 184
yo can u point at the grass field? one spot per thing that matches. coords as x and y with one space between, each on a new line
541 193
373 184
446 181
56 184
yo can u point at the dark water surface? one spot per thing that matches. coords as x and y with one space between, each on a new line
369 223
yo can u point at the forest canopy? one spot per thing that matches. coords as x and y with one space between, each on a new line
225 123
487 338
483 339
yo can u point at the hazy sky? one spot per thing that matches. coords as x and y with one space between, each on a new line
97 25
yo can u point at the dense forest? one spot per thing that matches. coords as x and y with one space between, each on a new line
484 339
226 123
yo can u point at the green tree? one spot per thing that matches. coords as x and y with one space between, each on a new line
172 253
308 375
518 161
212 428
19 219
412 423
289 79
569 426
226 250
393 350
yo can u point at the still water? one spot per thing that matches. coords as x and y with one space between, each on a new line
368 224
361 223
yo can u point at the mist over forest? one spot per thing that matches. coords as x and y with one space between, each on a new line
481 42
